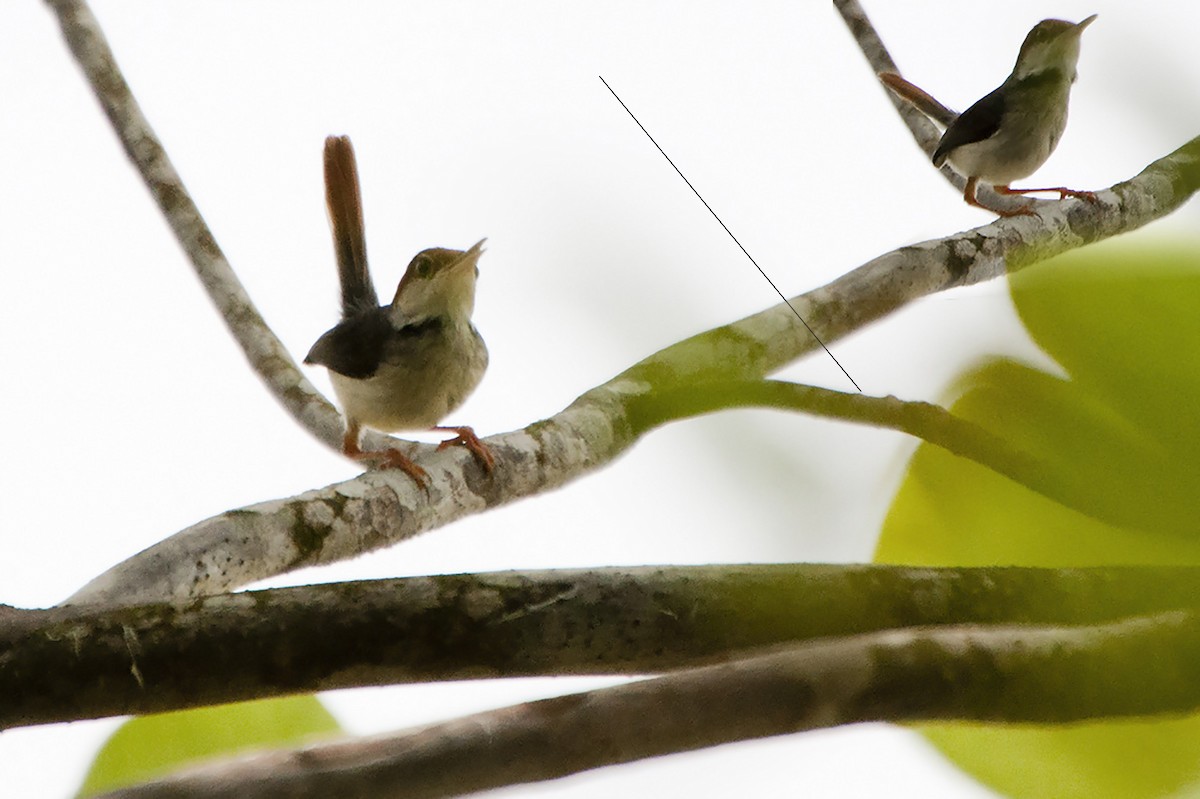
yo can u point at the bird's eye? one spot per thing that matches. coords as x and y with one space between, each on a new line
424 266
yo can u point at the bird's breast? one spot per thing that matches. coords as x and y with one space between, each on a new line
419 381
1027 135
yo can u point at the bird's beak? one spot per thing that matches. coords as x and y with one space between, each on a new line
1080 26
471 256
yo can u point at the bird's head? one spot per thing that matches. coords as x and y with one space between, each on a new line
438 282
1053 44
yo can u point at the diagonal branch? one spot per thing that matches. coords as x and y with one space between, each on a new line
1047 674
265 352
880 60
378 509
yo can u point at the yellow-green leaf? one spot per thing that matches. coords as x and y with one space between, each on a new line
1122 429
151 746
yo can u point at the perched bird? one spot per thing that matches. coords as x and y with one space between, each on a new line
1011 132
406 365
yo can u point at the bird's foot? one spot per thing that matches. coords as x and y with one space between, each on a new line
395 459
385 459
466 437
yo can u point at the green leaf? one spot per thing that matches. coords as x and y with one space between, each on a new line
1119 759
1122 431
1123 320
151 746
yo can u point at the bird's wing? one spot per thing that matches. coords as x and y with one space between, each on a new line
356 347
979 122
412 343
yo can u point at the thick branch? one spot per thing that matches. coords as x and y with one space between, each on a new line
1135 667
84 662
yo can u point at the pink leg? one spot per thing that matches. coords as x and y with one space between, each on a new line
1063 192
383 459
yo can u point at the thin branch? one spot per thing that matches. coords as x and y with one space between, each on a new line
1044 674
924 420
880 60
266 353
1042 471
66 664
379 509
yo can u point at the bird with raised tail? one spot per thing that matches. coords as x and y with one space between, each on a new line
407 365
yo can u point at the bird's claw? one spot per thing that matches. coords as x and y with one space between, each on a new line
395 459
465 436
390 458
1081 194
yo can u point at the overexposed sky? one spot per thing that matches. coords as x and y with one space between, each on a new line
131 414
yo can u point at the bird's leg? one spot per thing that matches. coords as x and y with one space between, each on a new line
467 438
390 458
1063 192
969 196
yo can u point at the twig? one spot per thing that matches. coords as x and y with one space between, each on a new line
1045 674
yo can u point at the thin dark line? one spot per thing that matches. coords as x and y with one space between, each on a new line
730 232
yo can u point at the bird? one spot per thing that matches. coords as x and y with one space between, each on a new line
1009 133
407 365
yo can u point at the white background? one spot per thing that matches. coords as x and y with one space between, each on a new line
130 414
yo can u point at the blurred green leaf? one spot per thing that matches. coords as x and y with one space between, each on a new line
1122 427
1118 759
151 746
1124 322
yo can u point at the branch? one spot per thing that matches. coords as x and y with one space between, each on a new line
1041 470
263 349
931 423
880 60
66 664
1044 674
380 509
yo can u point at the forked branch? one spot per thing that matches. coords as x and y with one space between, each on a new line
378 509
